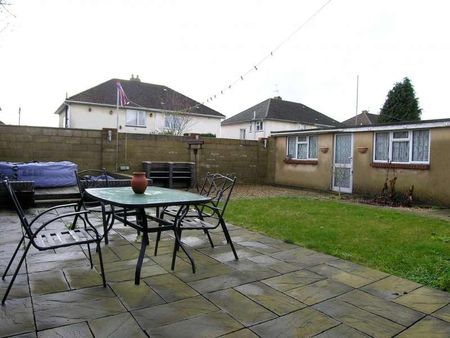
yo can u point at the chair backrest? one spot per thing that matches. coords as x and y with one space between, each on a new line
18 208
219 187
91 178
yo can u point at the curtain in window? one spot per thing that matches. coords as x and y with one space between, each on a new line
131 118
420 145
400 151
313 147
343 153
381 146
302 151
141 118
291 146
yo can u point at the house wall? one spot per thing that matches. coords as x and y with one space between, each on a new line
314 176
233 131
91 149
431 184
105 117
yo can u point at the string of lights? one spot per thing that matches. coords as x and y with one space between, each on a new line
256 66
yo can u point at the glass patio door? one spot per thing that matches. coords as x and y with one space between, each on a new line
343 163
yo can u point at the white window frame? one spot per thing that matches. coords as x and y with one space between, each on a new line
137 119
242 132
297 142
410 145
259 126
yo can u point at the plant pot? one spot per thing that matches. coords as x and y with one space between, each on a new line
139 182
324 150
362 150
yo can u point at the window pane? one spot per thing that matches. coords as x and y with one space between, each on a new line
343 153
313 147
302 151
131 118
342 177
302 139
291 146
141 121
400 134
420 145
400 151
381 146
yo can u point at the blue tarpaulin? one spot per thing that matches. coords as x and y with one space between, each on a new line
44 174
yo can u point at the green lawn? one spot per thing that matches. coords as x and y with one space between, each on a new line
397 242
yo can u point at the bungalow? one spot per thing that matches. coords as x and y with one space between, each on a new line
363 119
273 114
147 108
359 159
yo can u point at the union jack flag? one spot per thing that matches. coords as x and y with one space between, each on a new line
122 98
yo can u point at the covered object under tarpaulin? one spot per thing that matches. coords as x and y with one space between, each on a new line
44 174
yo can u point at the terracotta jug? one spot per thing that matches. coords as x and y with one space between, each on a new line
139 182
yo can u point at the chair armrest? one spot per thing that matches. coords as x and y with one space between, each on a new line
53 208
79 213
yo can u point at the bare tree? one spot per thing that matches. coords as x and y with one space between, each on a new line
5 15
178 116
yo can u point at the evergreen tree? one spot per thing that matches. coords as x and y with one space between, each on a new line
401 104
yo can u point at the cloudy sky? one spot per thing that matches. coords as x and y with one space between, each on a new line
52 47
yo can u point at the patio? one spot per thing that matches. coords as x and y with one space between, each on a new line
275 289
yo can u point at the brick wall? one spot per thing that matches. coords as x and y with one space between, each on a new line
90 149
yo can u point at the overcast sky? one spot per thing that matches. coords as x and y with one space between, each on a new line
198 47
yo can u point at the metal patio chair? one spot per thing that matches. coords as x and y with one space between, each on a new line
207 216
35 234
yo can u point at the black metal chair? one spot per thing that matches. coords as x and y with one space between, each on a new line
42 239
207 216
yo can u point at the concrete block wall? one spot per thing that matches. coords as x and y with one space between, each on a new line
92 149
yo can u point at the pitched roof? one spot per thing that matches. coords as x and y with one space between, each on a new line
143 95
278 109
363 119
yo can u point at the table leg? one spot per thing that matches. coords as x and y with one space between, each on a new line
142 221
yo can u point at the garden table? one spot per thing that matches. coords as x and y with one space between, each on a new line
154 197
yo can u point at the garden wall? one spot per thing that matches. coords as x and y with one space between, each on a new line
248 160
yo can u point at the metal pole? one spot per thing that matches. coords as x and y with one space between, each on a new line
117 131
357 94
19 114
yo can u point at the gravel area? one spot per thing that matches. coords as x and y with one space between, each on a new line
251 191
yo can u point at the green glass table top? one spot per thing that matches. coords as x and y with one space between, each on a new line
153 196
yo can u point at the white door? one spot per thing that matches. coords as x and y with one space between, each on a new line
242 134
343 163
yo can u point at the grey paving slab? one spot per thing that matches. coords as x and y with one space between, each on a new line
165 262
16 317
258 247
69 331
125 252
26 335
303 323
384 308
82 277
170 288
208 325
161 315
293 280
20 289
57 309
361 320
358 270
425 299
274 264
391 287
202 272
443 313
240 307
342 331
271 299
124 265
128 274
318 291
244 333
428 327
136 296
48 282
117 326
229 280
224 254
341 276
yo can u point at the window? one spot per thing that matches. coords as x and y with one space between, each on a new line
242 134
172 122
251 127
402 146
302 147
259 125
135 118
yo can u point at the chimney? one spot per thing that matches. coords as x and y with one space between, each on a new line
277 98
135 78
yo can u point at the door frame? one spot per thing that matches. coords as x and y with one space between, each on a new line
340 165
